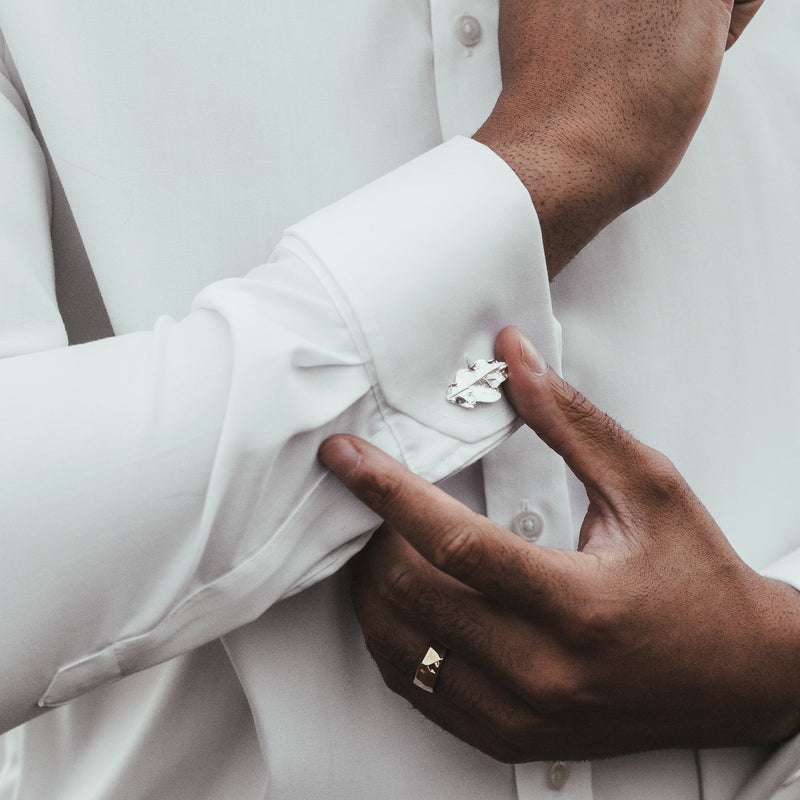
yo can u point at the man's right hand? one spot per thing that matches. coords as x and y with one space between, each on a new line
601 100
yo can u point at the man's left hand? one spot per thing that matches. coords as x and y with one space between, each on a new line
653 634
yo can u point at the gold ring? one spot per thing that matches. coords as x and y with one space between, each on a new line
428 669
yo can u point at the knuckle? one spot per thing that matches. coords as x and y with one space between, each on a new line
658 481
394 680
399 586
373 640
519 729
558 695
382 492
376 634
459 549
597 623
383 644
593 617
557 689
659 464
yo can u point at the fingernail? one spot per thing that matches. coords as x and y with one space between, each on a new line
339 455
532 357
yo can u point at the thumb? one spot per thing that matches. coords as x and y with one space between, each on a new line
600 452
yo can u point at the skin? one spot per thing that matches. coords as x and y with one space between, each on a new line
653 634
600 102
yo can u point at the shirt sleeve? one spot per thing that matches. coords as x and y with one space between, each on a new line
161 488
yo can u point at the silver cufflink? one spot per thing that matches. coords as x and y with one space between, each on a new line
478 384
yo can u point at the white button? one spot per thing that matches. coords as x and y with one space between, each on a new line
528 524
557 775
468 30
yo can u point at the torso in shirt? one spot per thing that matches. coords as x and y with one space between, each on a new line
187 136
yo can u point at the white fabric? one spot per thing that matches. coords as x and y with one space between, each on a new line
160 488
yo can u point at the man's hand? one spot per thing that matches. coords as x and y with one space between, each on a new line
601 100
654 634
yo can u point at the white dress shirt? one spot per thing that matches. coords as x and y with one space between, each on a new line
160 487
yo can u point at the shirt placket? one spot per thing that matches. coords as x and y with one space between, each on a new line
526 491
466 63
525 483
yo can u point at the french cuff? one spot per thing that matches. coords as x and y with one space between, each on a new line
447 251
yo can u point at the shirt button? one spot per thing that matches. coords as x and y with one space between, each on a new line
557 775
528 524
468 30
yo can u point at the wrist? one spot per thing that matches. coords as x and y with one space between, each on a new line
576 188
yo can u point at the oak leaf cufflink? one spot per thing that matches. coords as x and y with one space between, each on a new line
478 384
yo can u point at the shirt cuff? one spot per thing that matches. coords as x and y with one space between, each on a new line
446 253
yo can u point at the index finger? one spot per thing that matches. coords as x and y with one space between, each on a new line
456 540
